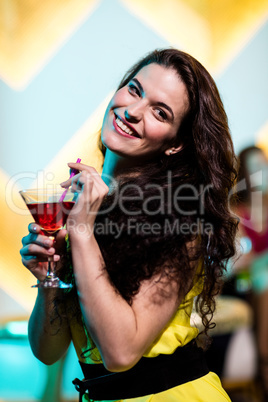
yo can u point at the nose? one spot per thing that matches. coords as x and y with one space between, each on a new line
133 113
130 117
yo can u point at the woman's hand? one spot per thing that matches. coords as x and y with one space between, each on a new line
48 338
91 191
36 248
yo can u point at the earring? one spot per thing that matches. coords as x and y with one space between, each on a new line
170 151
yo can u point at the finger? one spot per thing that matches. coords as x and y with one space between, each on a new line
67 183
73 172
103 188
99 188
34 228
78 166
36 235
77 184
61 235
33 260
89 169
96 178
29 257
26 239
39 239
95 193
90 188
38 270
84 169
60 244
29 263
94 187
99 180
34 250
78 189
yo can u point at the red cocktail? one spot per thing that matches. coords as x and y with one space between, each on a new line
51 216
49 210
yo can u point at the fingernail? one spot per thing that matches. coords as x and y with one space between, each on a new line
47 242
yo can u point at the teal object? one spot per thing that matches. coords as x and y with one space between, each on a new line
259 273
24 378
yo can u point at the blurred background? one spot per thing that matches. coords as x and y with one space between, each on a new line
60 61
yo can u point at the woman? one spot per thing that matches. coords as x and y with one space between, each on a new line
252 209
144 249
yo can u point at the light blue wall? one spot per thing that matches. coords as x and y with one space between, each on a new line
244 87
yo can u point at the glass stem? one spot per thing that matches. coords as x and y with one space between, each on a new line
50 268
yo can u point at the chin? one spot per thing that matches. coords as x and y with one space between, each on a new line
112 142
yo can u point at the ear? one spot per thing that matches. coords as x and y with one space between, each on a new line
173 150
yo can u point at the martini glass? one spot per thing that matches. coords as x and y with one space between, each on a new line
49 208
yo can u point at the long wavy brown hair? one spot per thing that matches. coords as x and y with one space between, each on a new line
204 171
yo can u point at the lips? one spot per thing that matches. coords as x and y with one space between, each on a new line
123 128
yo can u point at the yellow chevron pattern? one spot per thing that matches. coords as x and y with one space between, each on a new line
32 31
211 30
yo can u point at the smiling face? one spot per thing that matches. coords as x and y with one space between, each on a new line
143 118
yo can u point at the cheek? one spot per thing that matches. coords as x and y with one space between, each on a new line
120 98
112 104
159 133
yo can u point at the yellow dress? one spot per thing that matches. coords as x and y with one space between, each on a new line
178 332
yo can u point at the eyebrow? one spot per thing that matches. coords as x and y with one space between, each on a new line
162 104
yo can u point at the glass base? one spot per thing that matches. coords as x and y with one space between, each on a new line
52 282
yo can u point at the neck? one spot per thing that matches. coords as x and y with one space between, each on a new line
115 165
110 167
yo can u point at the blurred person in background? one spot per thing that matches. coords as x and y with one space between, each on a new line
251 268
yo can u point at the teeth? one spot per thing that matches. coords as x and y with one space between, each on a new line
123 127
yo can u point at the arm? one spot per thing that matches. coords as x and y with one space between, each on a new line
49 339
49 335
121 331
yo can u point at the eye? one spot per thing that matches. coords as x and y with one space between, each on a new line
160 114
133 89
